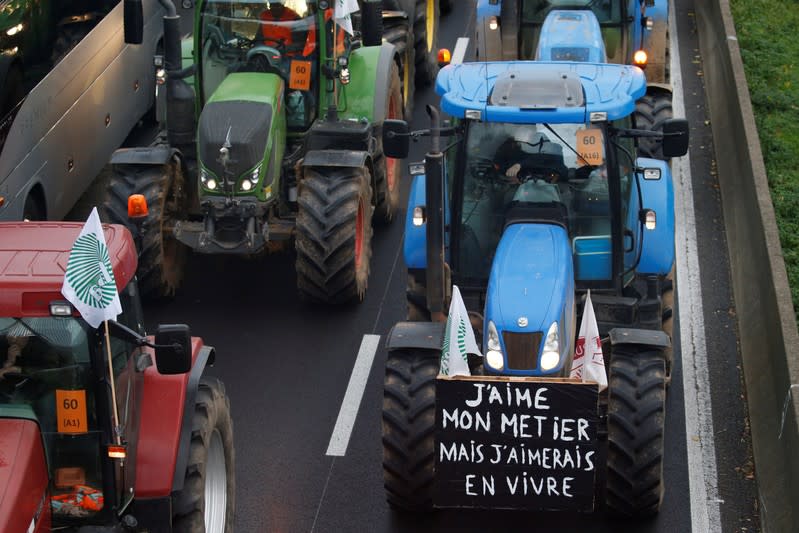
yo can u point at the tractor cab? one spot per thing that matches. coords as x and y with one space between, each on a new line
50 377
279 38
76 417
508 180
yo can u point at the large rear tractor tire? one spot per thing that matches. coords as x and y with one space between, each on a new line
161 256
651 111
409 411
399 32
425 17
636 417
334 234
388 169
206 503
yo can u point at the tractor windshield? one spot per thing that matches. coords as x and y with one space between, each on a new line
276 37
46 376
552 173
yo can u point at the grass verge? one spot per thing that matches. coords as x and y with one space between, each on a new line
768 35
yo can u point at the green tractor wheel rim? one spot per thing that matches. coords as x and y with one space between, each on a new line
359 235
215 485
430 21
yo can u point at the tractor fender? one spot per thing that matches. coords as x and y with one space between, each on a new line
145 155
370 78
337 158
654 338
657 255
653 88
489 43
165 431
415 244
425 335
656 40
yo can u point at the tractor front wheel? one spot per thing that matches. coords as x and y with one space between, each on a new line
636 417
334 234
161 256
409 413
651 111
388 169
207 500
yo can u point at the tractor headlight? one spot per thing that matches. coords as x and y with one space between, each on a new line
207 180
249 182
494 357
550 356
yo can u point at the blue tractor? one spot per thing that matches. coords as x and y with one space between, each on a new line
537 198
634 32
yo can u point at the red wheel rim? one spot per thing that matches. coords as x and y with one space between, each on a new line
359 236
391 163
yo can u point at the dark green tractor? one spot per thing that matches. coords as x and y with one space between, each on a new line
272 136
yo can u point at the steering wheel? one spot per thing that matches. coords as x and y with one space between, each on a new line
482 168
277 44
11 383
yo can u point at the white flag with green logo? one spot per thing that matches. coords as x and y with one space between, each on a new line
89 282
342 13
458 339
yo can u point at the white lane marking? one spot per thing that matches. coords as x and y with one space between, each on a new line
352 398
460 50
702 480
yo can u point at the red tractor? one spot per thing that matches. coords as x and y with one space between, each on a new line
106 428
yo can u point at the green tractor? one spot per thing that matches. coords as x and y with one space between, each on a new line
271 136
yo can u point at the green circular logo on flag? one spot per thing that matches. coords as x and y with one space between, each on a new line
89 272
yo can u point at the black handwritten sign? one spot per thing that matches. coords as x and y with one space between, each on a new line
505 443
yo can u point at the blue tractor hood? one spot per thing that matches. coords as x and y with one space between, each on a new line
531 285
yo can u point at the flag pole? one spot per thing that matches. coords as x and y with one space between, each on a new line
115 414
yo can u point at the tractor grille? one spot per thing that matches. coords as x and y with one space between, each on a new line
521 349
248 124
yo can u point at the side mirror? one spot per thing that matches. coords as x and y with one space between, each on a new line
396 141
675 137
173 349
133 22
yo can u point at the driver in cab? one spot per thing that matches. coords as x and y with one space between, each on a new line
276 27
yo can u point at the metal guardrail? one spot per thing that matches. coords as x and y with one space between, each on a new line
769 341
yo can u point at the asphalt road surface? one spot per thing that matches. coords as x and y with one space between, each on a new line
287 367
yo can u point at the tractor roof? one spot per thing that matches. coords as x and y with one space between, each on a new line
527 92
33 260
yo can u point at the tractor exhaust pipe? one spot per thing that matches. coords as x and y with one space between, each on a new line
434 190
179 94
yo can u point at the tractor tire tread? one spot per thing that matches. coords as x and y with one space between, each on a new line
326 239
160 273
636 415
651 111
408 429
211 412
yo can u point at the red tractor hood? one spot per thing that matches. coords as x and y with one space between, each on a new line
23 477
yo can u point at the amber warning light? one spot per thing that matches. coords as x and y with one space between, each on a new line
116 452
137 206
640 58
444 57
